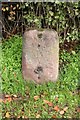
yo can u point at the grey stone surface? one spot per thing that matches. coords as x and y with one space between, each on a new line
40 56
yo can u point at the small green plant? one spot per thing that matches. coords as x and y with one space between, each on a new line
11 65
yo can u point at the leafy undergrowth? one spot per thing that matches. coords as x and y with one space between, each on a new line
49 100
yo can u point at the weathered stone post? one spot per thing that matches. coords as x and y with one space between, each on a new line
40 57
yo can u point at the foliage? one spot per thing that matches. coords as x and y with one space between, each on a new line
61 16
50 100
11 65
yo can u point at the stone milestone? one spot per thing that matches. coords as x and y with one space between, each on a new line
40 55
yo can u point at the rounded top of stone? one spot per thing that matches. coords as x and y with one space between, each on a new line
41 30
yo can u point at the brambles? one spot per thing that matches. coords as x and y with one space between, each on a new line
61 16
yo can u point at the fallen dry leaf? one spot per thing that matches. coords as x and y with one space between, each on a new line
23 117
42 96
56 98
78 109
18 116
44 107
62 112
36 97
1 100
48 102
54 116
9 99
65 108
7 115
6 96
38 116
56 108
15 96
14 74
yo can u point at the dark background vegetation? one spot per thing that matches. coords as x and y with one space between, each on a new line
64 17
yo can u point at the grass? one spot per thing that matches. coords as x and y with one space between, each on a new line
65 89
